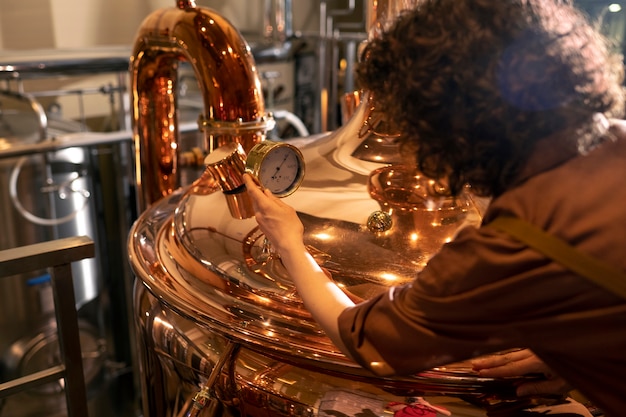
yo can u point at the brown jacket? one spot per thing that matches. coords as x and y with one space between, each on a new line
486 292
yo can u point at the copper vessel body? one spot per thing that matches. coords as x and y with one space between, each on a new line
221 328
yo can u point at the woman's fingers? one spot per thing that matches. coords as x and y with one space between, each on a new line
491 361
509 364
277 220
520 363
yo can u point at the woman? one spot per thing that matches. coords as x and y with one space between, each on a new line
518 99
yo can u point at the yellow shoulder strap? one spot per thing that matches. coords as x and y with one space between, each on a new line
560 251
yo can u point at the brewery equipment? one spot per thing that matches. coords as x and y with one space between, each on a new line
61 179
221 329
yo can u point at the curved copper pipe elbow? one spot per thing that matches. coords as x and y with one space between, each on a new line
227 77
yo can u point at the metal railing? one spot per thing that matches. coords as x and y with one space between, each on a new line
57 255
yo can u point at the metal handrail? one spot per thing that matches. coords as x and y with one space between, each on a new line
57 255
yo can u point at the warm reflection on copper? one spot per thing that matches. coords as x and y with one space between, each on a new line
422 219
208 280
257 384
226 75
226 164
349 103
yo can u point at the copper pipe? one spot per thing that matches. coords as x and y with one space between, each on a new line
227 77
382 13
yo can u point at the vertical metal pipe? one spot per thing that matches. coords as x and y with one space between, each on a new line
227 77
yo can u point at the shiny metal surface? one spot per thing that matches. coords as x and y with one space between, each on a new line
181 357
214 271
22 119
211 295
227 77
50 62
380 13
277 166
215 268
58 180
42 197
57 256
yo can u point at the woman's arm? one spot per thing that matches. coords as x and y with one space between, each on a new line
281 225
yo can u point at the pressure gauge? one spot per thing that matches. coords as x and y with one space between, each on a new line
277 166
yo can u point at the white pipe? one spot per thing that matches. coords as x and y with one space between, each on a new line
293 120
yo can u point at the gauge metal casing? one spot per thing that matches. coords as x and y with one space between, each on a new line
277 166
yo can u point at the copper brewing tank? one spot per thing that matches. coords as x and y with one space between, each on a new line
221 328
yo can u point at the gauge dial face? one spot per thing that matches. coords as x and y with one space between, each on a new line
279 167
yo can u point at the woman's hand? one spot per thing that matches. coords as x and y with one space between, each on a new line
520 363
277 220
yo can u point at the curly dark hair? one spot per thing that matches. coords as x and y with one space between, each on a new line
473 84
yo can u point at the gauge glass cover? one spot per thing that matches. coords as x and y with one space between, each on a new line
280 170
277 166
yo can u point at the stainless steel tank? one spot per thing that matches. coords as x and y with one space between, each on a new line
221 328
44 196
57 179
